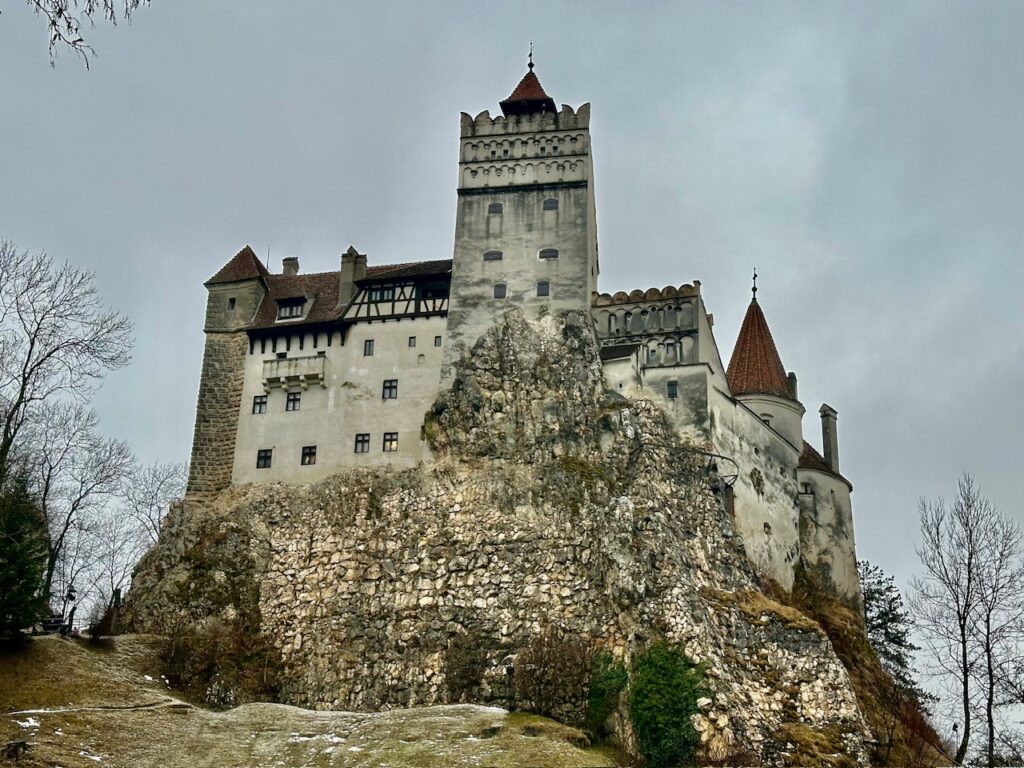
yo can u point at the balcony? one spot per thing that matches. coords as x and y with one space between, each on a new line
293 372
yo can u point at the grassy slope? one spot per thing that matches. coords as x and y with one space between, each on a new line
91 693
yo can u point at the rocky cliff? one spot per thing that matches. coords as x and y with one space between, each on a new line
551 503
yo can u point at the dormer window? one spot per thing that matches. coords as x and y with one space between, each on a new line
382 293
290 308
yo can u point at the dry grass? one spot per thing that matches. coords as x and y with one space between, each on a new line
757 606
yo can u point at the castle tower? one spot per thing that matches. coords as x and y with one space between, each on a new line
525 227
757 378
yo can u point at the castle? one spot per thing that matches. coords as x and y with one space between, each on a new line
306 375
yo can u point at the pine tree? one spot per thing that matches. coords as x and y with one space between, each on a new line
888 628
23 550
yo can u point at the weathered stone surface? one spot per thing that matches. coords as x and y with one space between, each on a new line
551 502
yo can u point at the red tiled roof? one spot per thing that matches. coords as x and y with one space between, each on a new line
811 459
409 269
244 266
755 367
528 97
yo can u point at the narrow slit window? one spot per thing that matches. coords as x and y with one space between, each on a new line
437 341
412 342
368 348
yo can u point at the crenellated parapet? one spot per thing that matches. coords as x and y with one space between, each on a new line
564 120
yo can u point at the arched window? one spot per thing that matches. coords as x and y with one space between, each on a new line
613 325
492 256
551 204
543 288
548 253
494 208
499 290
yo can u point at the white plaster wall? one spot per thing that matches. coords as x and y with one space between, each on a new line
740 435
351 402
784 415
826 532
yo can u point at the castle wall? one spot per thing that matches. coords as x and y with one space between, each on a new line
826 532
348 401
220 390
764 495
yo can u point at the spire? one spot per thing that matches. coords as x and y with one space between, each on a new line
753 291
244 266
755 367
528 97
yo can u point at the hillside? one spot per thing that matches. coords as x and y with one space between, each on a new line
79 706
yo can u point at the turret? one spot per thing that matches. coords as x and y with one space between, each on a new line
235 292
758 379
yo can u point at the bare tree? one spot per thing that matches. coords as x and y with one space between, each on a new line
997 629
57 340
76 472
64 18
148 493
117 541
946 601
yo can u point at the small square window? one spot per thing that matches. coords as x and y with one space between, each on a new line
499 291
543 288
368 348
496 207
437 341
263 457
390 441
308 455
259 404
390 389
551 204
292 403
412 342
363 442
673 390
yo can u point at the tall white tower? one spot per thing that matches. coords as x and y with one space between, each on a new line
525 229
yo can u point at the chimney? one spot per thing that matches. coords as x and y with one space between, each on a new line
829 435
290 265
792 385
353 268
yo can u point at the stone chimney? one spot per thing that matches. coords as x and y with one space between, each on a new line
290 265
792 385
353 267
830 435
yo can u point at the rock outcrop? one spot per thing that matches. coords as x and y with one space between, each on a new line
552 502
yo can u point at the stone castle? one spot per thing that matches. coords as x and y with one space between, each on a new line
308 375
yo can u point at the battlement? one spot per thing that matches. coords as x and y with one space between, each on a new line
651 294
566 119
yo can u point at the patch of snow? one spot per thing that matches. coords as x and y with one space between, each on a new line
355 749
30 723
150 679
58 732
96 758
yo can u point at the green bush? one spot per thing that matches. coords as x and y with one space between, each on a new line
23 549
662 701
608 678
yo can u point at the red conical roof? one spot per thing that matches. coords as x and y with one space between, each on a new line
755 367
244 266
528 97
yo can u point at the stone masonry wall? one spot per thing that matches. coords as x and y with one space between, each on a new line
552 503
220 392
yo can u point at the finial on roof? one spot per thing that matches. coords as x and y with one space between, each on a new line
530 64
753 290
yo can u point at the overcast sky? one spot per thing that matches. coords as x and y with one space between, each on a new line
865 158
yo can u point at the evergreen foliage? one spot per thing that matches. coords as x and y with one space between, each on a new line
888 627
662 702
608 678
23 540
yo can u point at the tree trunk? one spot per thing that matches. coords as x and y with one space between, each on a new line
990 701
961 751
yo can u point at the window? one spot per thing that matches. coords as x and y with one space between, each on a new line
670 351
652 355
499 290
390 389
673 390
412 342
766 418
543 288
554 149
363 442
263 456
548 253
259 404
492 256
382 293
390 441
805 488
288 308
292 403
496 207
308 455
231 304
551 204
437 341
368 348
